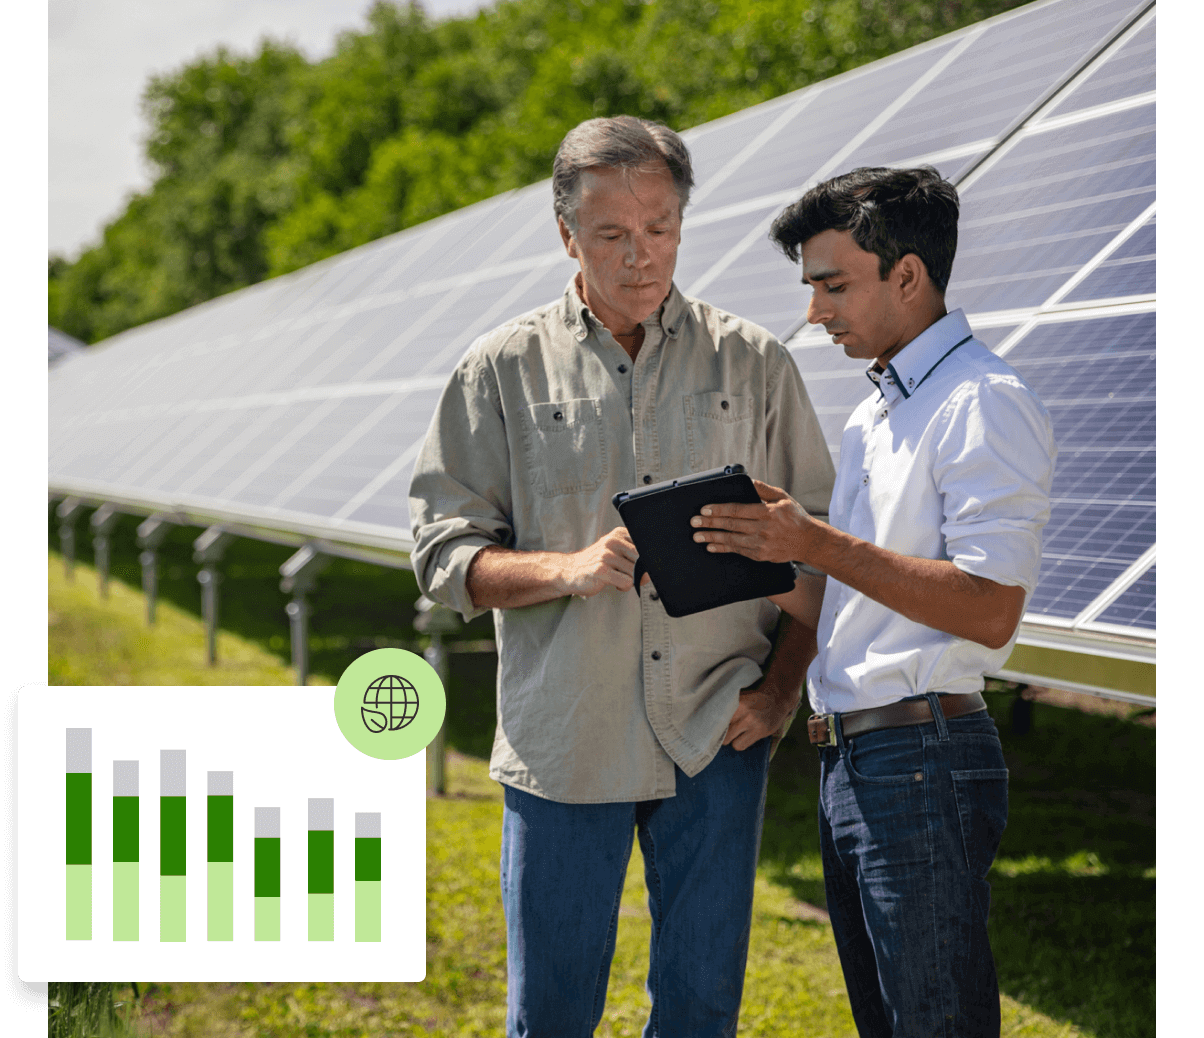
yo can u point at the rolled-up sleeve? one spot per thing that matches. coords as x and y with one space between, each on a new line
460 499
994 468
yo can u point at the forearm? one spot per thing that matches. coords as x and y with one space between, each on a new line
932 592
794 649
502 578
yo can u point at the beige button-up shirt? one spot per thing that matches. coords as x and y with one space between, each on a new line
541 423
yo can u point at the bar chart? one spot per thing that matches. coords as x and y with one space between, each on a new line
269 840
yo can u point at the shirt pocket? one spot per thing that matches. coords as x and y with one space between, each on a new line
566 451
719 429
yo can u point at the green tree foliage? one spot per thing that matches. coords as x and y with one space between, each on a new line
266 163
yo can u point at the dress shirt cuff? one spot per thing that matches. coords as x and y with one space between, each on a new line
449 583
1011 558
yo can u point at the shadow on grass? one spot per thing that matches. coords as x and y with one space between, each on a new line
1072 918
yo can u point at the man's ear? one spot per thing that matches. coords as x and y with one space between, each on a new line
566 236
911 276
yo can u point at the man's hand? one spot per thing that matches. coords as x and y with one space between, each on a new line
608 562
776 530
762 710
503 578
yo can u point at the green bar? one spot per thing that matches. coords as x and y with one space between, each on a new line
367 858
221 900
125 829
172 907
125 899
267 919
79 902
171 836
321 917
321 861
221 829
79 818
267 867
367 910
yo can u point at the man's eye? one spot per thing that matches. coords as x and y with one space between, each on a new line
833 289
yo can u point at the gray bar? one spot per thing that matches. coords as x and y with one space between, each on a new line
367 825
171 773
125 778
267 823
221 783
321 813
79 750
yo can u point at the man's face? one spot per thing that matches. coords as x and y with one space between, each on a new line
628 230
856 307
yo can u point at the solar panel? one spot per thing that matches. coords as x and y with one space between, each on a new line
299 404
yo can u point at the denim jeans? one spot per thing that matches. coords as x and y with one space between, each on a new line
910 820
562 873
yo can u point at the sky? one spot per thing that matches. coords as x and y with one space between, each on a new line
101 55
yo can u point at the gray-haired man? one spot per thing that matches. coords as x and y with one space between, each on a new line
612 716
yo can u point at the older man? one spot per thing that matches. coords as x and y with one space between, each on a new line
614 718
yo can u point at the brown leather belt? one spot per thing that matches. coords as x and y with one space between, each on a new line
822 732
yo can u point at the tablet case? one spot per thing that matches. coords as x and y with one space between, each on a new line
689 578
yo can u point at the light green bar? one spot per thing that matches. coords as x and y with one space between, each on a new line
221 900
367 909
125 901
172 905
79 902
267 919
321 917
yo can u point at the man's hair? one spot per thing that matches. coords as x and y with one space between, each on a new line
889 212
622 142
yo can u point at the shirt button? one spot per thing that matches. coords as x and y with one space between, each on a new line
656 655
647 479
622 369
558 416
655 597
865 480
724 404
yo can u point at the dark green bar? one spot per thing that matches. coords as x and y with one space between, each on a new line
321 861
79 818
367 858
267 866
221 829
125 828
171 836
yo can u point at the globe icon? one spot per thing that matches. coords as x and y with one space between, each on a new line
390 703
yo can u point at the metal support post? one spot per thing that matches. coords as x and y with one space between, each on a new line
435 621
151 533
102 522
208 550
299 573
68 511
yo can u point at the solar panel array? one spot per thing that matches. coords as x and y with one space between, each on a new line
300 404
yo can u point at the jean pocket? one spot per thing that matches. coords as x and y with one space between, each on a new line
982 811
566 451
886 762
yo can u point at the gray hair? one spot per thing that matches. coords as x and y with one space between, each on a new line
621 142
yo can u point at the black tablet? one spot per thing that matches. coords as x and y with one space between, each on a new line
689 578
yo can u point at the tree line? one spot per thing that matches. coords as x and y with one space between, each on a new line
266 162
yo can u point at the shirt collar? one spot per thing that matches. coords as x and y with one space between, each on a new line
912 364
671 314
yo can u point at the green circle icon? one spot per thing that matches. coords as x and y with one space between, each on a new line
389 704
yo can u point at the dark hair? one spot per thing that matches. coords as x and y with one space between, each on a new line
621 142
889 212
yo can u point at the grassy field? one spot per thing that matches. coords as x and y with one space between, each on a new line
1072 923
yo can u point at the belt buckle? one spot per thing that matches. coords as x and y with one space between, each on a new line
821 730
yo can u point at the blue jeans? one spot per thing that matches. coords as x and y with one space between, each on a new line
562 872
909 821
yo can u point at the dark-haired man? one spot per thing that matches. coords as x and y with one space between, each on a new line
613 717
934 546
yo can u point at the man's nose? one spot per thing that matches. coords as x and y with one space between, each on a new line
638 252
816 313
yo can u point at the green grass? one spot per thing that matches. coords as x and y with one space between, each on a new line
1072 923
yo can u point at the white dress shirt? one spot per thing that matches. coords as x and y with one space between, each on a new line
951 457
